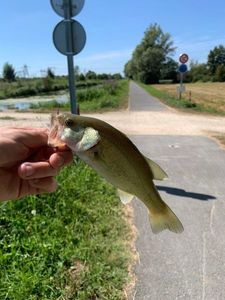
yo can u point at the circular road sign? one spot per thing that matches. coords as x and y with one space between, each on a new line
183 58
182 68
69 37
67 8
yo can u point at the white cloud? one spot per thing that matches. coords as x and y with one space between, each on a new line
105 62
116 54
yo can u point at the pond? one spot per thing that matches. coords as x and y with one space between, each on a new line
21 104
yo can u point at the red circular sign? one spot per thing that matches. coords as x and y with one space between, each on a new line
183 58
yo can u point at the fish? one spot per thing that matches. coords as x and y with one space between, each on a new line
115 157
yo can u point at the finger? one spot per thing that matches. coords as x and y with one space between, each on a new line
60 159
36 170
43 169
32 138
47 185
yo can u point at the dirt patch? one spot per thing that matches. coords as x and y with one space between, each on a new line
170 122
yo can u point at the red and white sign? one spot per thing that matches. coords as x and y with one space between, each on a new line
183 58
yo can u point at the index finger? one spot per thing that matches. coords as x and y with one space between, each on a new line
31 137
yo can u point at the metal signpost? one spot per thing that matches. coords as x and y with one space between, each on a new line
183 58
69 38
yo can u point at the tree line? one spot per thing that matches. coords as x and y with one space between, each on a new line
152 61
9 74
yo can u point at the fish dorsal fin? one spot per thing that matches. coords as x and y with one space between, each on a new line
124 196
158 172
90 138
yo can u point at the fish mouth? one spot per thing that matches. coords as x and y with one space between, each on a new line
55 133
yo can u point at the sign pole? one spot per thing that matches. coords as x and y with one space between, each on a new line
71 76
181 85
69 38
183 58
72 87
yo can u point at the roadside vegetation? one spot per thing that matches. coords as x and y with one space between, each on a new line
94 91
200 97
13 86
39 86
72 244
111 94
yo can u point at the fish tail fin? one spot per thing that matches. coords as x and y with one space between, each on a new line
165 219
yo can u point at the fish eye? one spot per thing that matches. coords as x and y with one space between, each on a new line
69 122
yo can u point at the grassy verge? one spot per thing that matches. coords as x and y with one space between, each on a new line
67 245
184 103
39 86
109 96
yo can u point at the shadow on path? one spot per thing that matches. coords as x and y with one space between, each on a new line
183 193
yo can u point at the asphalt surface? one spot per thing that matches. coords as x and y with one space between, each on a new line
141 101
190 265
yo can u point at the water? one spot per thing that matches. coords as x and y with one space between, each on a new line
20 105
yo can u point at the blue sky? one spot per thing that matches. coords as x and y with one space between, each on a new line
113 28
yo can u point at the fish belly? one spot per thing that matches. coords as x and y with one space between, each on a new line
118 172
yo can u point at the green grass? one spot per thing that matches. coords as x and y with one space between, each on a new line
184 104
110 95
39 86
7 118
65 245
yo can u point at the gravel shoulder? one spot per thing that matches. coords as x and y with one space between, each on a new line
168 122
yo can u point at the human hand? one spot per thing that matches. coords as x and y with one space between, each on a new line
27 164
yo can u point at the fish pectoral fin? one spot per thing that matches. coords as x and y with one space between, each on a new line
90 138
124 196
158 172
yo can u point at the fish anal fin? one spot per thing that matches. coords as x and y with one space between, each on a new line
124 196
157 171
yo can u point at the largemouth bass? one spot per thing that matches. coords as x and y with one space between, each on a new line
112 154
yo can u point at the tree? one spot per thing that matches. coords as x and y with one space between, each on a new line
81 77
91 75
50 73
150 55
117 76
220 73
169 70
129 70
198 72
216 57
76 71
8 72
103 76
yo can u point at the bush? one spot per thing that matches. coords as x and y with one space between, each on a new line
24 92
110 87
89 94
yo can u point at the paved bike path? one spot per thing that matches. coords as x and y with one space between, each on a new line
190 265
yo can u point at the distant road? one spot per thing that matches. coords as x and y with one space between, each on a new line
140 100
